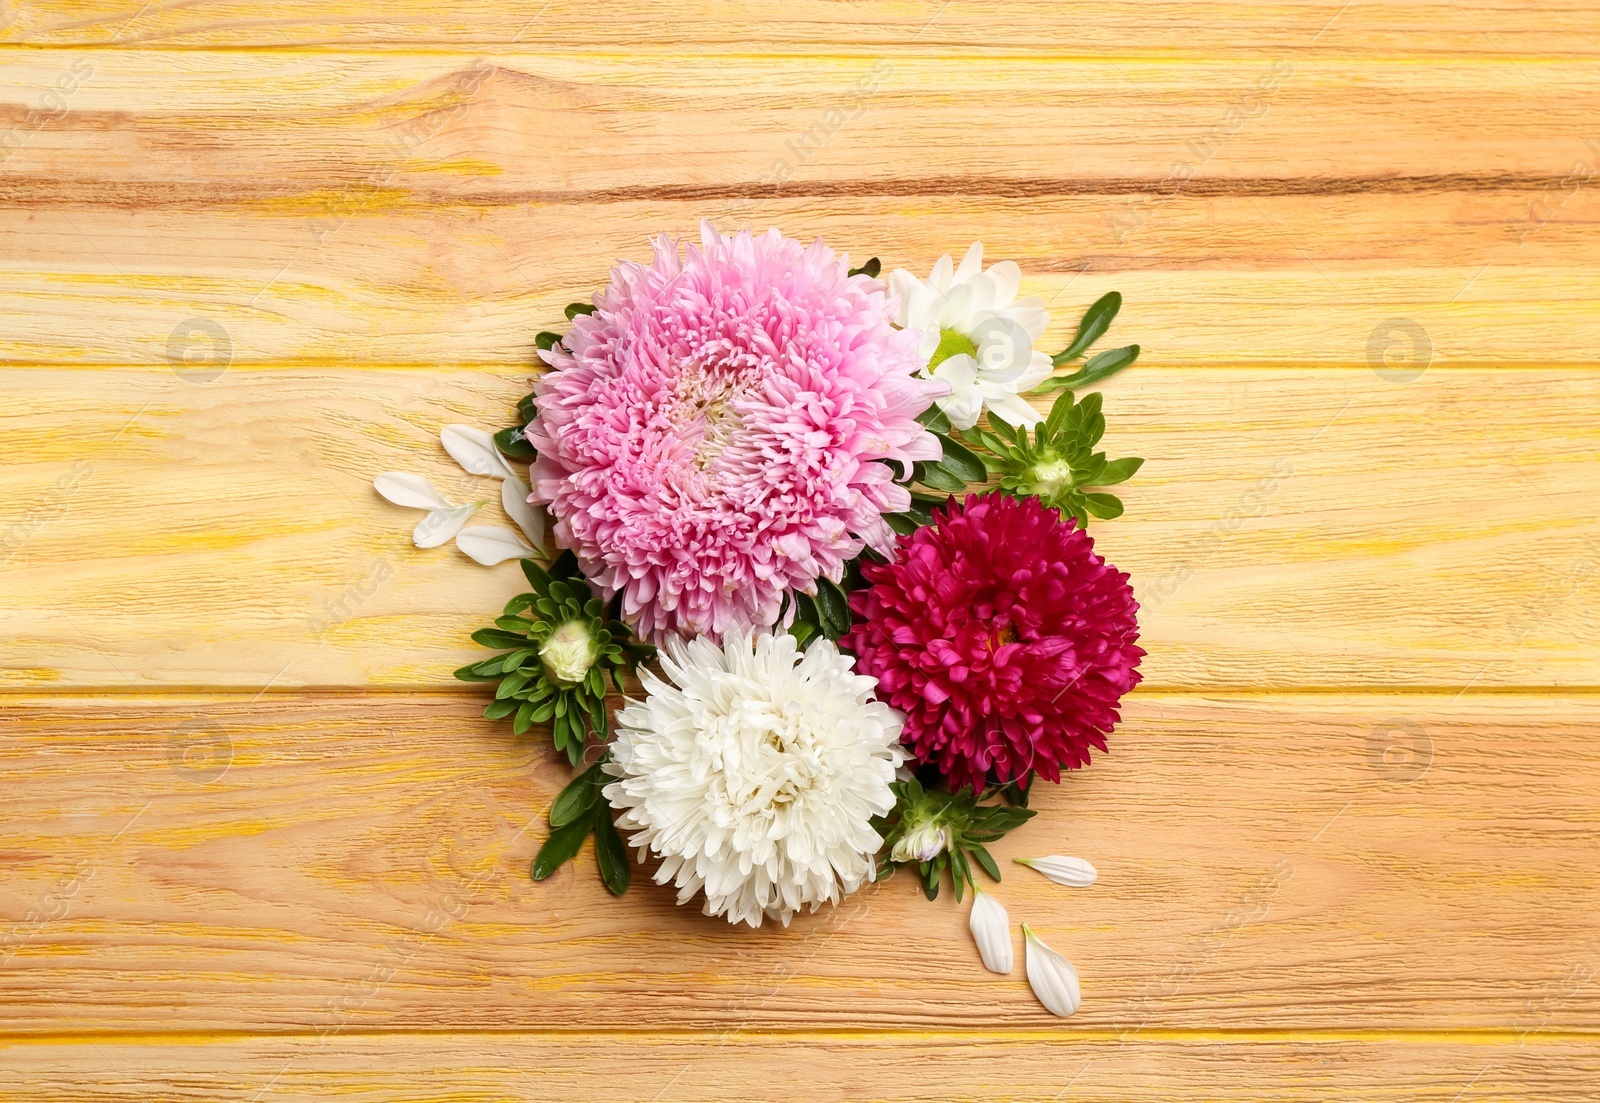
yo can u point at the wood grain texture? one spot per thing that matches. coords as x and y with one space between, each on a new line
1175 27
1290 529
253 254
921 1068
321 864
439 209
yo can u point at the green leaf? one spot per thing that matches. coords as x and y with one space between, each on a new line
1117 471
498 709
935 475
903 523
1059 412
1103 506
1106 364
611 853
577 798
566 567
561 847
510 442
986 860
526 409
547 340
537 578
834 608
494 637
1096 320
934 420
961 462
574 309
870 269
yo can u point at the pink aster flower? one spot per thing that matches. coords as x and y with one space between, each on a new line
1003 638
708 436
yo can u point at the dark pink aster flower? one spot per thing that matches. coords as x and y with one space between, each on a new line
1005 640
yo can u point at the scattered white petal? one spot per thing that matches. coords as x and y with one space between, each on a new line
412 491
529 517
474 450
492 545
441 524
1051 976
1063 871
991 930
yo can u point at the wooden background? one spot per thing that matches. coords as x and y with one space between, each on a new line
256 843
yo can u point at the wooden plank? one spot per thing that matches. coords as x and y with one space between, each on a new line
1311 528
439 209
330 864
1208 280
921 1068
1176 27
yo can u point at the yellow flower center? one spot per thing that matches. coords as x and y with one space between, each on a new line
951 343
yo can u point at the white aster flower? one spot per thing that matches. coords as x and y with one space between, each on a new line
991 930
977 336
755 773
1052 977
1063 871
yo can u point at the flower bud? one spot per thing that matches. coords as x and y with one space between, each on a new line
568 653
921 843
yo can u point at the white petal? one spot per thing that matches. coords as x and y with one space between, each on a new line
412 491
529 518
940 276
1063 871
1007 278
441 524
1051 976
1009 408
474 450
960 304
1031 315
971 264
492 545
991 930
904 287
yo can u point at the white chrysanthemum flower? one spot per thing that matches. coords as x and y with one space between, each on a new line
977 336
755 776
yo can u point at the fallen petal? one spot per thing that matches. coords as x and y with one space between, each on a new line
440 525
991 930
412 491
492 545
1052 977
1063 871
474 450
529 517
